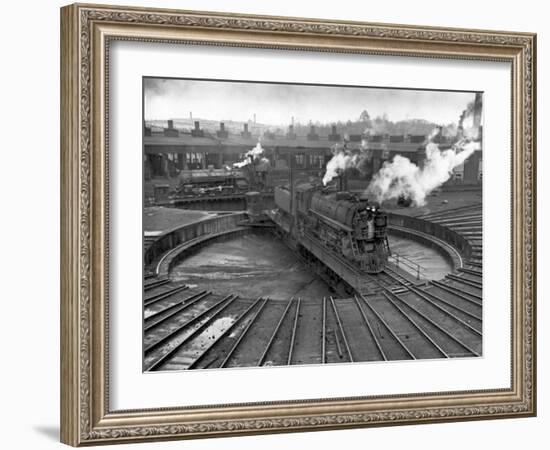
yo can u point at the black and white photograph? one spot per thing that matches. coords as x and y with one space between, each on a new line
275 225
294 224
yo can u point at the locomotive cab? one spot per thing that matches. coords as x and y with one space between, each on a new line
372 240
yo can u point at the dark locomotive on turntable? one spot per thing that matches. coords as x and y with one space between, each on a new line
343 223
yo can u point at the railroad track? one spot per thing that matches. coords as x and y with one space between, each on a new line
196 329
468 222
155 284
203 330
175 343
394 318
457 330
392 280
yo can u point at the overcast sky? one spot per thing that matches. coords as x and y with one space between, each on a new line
275 104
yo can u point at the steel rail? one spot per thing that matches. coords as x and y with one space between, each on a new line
167 308
394 275
187 323
458 208
179 307
450 211
338 346
388 328
155 284
158 297
324 332
468 217
264 354
159 362
472 277
416 325
465 281
473 263
369 327
436 325
224 333
466 213
339 322
461 228
421 294
477 273
458 292
475 235
385 283
243 334
292 339
451 305
459 222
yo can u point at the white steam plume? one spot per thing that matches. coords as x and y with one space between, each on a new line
240 165
344 159
250 156
401 177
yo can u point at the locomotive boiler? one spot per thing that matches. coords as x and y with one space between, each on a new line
351 227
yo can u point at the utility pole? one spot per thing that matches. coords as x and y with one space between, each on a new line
291 173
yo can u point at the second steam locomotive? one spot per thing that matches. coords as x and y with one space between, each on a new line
342 223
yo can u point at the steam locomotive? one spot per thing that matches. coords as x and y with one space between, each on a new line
342 223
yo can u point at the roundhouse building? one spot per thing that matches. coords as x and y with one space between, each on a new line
168 151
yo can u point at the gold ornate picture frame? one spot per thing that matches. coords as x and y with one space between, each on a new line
87 31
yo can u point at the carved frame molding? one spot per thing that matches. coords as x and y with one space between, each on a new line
86 31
